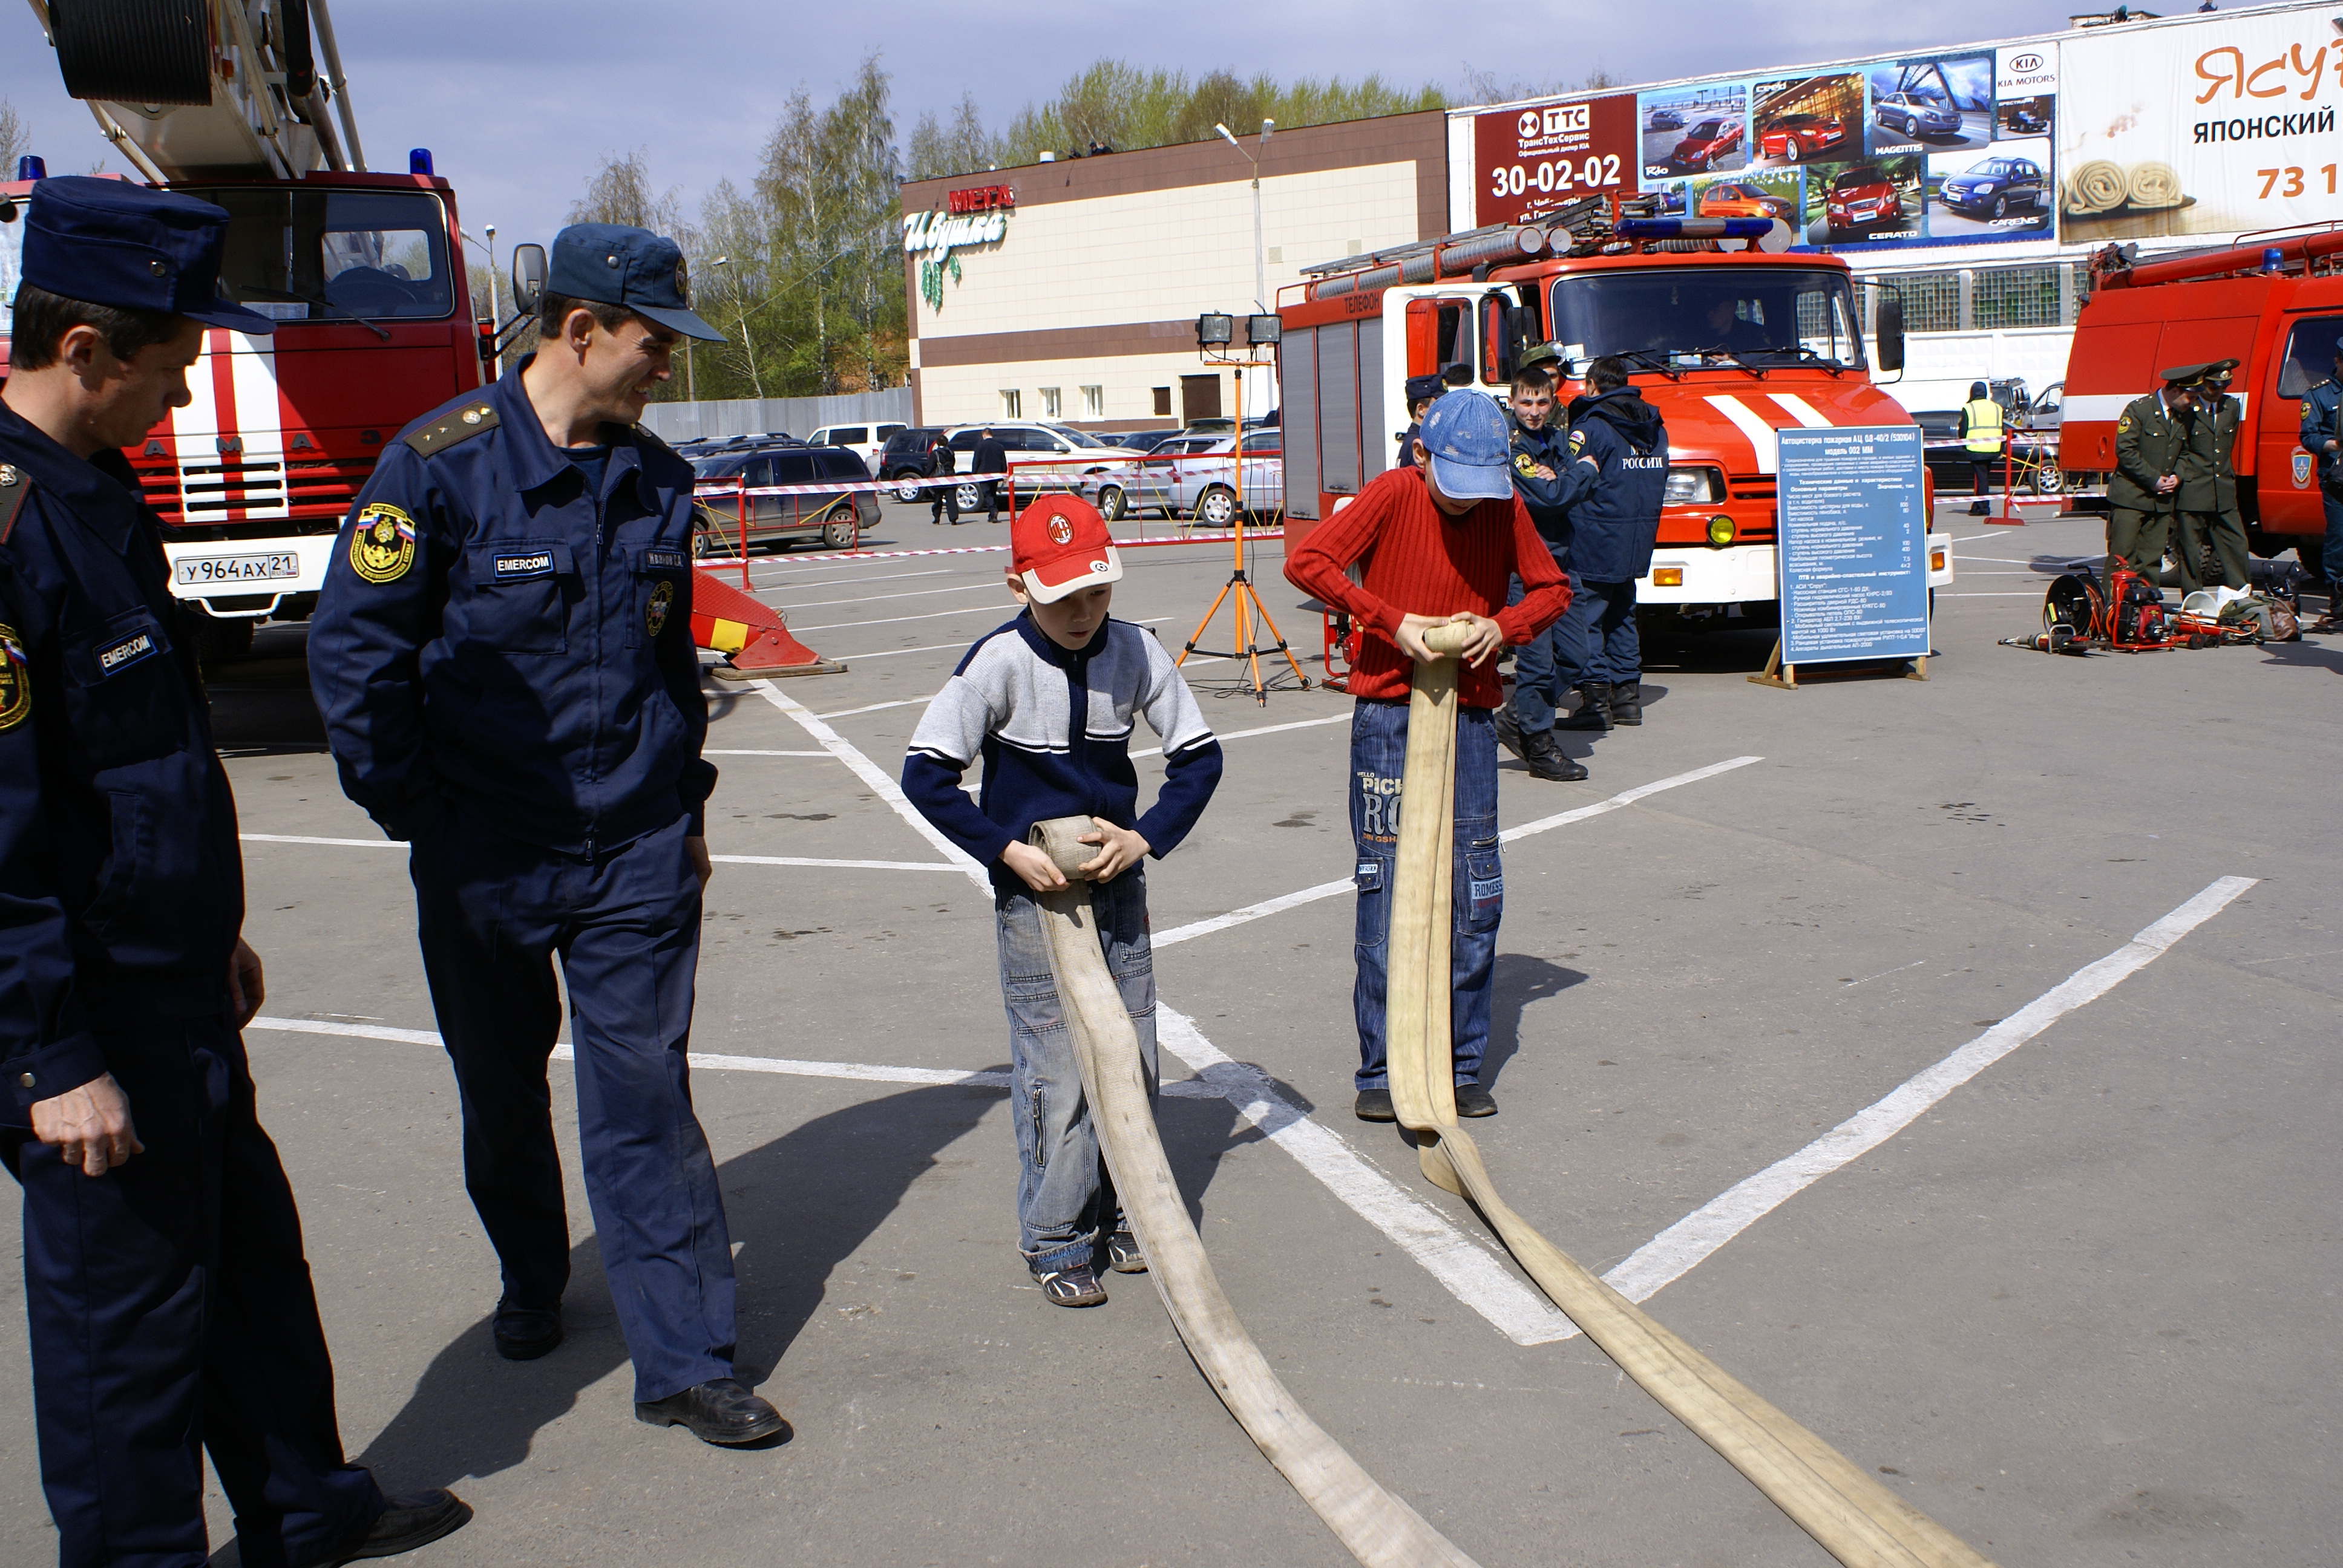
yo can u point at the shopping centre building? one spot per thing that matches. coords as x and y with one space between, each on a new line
1977 179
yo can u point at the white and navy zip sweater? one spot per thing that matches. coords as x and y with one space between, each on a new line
1014 700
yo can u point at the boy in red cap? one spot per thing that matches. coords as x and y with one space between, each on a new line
1047 700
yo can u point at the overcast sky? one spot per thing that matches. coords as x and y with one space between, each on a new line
518 99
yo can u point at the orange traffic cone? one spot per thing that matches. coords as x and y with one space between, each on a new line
750 633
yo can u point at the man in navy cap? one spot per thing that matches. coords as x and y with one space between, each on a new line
502 656
169 1301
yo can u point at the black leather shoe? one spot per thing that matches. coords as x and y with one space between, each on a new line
416 1519
1375 1105
721 1410
524 1334
1472 1100
1546 760
1508 730
1627 703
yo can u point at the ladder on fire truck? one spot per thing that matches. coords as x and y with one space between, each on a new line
193 90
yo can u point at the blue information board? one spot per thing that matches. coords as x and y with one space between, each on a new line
1851 541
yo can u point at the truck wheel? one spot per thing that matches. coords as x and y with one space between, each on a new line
1217 506
134 51
219 642
1111 503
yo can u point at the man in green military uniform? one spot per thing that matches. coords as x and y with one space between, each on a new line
2205 504
2148 440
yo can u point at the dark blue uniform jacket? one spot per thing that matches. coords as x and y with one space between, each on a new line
1616 482
493 631
1543 497
2318 427
121 885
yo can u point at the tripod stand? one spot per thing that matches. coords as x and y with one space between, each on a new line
1238 592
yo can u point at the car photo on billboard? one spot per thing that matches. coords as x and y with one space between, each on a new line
1696 130
1937 105
1879 201
2018 118
1807 119
2005 194
1772 193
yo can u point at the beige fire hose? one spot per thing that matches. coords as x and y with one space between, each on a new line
1380 1530
1848 1512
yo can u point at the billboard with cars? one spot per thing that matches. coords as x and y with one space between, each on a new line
2224 125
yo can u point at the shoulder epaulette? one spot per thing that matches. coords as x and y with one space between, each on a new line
461 424
15 489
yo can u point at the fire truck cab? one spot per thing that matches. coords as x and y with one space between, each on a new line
2275 305
363 273
1730 345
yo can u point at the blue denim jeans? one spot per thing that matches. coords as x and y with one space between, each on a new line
1378 758
1536 692
1065 1200
1595 641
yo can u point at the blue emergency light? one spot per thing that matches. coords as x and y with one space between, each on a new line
418 161
1695 228
29 167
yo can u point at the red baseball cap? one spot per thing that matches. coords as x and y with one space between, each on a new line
1060 545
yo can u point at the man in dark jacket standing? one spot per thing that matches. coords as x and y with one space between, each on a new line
168 1300
991 457
2206 503
2322 437
502 655
1618 480
2150 433
1525 724
943 498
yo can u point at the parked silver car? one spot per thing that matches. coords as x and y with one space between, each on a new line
1145 482
1205 483
1039 459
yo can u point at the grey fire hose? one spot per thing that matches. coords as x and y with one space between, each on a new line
1381 1531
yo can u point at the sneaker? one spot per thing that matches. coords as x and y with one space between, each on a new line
1472 1100
1375 1105
1124 1255
1074 1286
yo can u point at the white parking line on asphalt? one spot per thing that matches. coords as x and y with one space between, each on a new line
840 865
841 582
1684 1245
899 619
1264 730
875 707
940 647
916 593
1285 901
885 788
712 752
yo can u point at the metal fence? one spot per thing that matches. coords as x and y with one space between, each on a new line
798 415
1983 298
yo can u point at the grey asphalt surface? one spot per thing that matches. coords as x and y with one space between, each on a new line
2083 1310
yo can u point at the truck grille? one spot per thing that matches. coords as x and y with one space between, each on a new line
302 496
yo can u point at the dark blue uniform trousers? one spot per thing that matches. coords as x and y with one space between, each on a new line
493 912
171 1312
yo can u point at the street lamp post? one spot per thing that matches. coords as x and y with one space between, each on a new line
747 344
1260 257
495 309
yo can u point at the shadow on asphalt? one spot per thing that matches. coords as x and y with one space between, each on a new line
1521 978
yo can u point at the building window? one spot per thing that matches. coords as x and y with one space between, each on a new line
2017 297
1052 405
1012 403
1276 254
1163 402
1093 402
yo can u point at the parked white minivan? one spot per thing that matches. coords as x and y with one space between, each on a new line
863 440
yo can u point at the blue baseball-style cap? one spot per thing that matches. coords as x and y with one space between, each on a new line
611 264
116 243
1464 431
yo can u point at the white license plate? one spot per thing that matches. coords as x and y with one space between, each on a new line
197 570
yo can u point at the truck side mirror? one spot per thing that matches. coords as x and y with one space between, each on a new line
2294 381
1889 332
528 278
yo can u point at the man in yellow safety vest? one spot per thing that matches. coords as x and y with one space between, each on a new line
1981 433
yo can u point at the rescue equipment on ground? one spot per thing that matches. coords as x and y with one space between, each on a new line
2128 616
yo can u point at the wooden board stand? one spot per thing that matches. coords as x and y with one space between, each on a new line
1785 676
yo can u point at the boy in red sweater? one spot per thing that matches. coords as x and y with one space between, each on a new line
1440 541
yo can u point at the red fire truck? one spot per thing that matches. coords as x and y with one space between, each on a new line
1730 345
2275 305
364 272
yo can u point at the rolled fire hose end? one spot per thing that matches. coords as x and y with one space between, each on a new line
1380 1529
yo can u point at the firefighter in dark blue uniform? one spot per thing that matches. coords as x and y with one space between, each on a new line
502 656
169 1303
1540 458
1419 391
1617 481
2322 437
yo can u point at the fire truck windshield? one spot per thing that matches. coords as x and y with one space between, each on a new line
1679 317
305 255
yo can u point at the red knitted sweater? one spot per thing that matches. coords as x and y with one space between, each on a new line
1421 561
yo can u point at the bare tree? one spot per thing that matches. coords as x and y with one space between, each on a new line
959 148
621 191
12 139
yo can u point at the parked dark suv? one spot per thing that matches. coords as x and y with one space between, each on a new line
831 515
910 454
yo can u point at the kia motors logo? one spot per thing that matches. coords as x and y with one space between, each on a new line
2021 65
